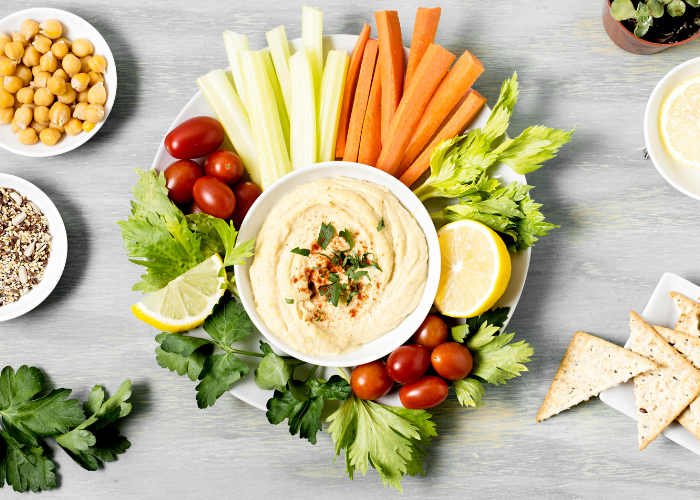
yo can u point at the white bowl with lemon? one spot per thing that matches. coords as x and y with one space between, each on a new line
672 127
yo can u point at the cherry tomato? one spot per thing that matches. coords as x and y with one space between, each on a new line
194 209
452 361
370 381
423 393
180 178
408 363
224 165
195 137
246 194
431 333
214 197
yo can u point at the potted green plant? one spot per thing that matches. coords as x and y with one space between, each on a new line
650 26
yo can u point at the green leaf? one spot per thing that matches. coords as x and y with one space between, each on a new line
534 145
326 234
228 323
622 10
349 238
219 236
656 8
499 119
274 372
380 226
335 388
109 444
77 440
16 388
25 467
469 392
210 241
184 345
692 3
675 8
190 365
289 301
219 372
496 361
301 251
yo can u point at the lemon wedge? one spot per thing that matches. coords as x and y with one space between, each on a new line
679 122
187 300
475 269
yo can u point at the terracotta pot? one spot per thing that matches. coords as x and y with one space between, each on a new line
626 40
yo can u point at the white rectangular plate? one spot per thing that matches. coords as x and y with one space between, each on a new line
659 311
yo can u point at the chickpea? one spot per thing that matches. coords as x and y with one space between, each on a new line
25 95
7 66
41 79
43 97
94 113
59 114
74 127
80 82
48 62
85 64
68 43
29 29
49 136
24 74
61 74
57 85
24 116
52 29
17 36
4 39
78 111
36 69
71 65
13 84
31 56
82 96
69 96
97 94
6 99
27 136
14 50
42 44
14 128
88 126
38 127
7 115
95 78
82 47
60 128
98 63
41 115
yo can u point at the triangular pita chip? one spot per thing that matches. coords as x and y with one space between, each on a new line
590 366
683 304
689 347
688 314
662 394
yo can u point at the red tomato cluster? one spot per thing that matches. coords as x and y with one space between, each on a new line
409 364
215 189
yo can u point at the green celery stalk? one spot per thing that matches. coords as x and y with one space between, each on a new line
264 118
331 98
225 102
312 41
279 50
303 119
235 42
279 98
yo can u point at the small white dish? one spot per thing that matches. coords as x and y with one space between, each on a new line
59 248
73 27
684 179
659 311
261 209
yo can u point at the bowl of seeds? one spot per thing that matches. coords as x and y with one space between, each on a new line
33 246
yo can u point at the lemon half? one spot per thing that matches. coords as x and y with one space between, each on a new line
475 269
187 300
679 122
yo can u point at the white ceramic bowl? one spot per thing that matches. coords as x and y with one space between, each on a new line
73 27
684 179
59 248
261 209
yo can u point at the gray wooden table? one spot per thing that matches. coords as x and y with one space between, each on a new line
623 226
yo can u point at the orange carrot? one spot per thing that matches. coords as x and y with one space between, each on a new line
349 92
427 77
359 106
423 35
371 142
451 89
391 59
455 126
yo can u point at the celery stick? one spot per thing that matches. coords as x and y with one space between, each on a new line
264 118
312 41
332 87
279 99
303 119
229 110
235 42
279 50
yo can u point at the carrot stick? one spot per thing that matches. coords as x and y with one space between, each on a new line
455 126
451 89
391 58
359 106
427 77
424 30
349 92
371 141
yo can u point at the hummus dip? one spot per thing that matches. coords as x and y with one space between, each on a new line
374 267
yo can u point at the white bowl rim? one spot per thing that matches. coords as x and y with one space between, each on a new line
80 139
409 325
59 248
648 124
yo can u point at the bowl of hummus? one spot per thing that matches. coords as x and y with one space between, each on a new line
346 264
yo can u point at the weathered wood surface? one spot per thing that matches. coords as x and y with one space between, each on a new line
623 226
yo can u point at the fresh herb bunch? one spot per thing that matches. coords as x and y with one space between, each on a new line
648 10
28 419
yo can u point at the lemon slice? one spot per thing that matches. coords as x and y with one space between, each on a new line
186 301
679 122
475 269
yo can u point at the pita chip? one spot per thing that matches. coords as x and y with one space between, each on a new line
662 394
689 347
688 314
590 366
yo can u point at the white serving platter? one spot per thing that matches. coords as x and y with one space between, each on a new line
659 311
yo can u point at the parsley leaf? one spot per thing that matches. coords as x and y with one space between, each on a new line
380 226
228 323
301 251
218 373
24 467
289 301
191 364
348 236
326 234
274 371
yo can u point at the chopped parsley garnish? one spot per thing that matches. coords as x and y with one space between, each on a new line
289 301
301 251
381 225
347 235
326 234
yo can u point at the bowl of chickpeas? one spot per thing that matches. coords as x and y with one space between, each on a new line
58 82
